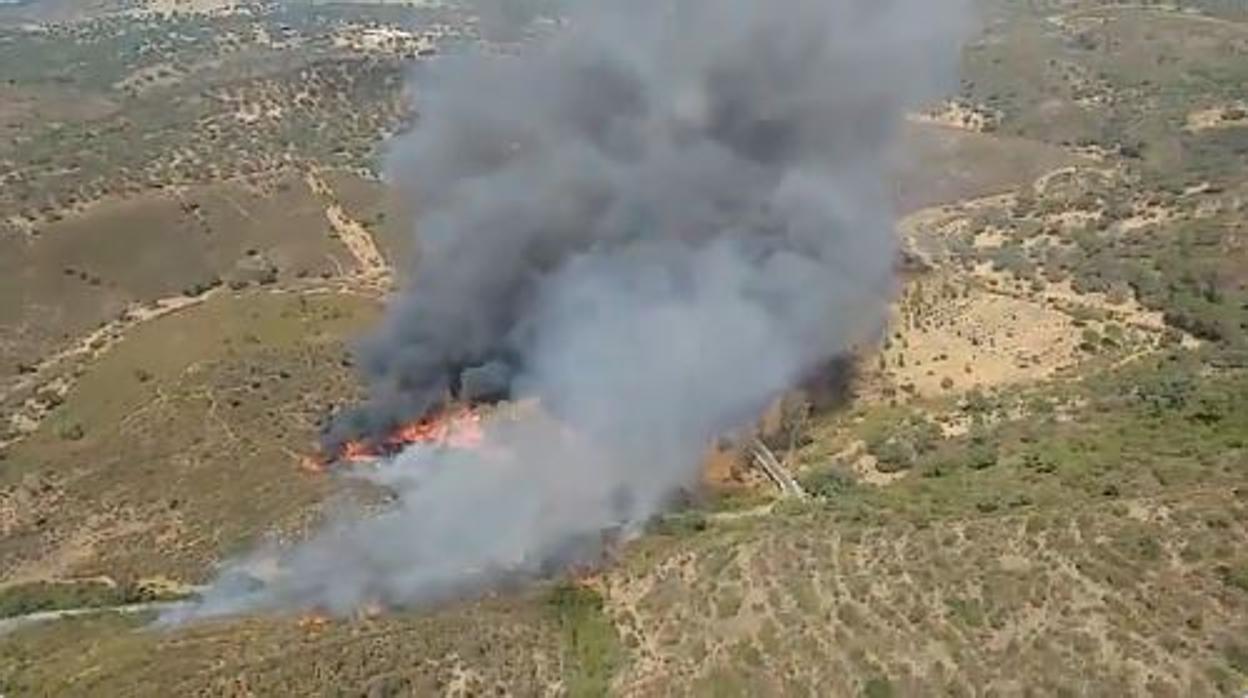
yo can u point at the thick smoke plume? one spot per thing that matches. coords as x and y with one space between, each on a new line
653 224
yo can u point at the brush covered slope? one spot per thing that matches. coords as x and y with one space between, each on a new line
1039 487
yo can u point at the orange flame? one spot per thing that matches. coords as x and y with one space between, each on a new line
458 428
313 464
359 451
313 622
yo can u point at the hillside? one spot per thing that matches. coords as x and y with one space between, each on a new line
1037 486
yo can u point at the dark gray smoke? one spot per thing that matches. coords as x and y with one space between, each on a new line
653 224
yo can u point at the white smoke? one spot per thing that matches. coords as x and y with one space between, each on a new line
658 222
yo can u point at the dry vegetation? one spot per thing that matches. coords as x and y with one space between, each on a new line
142 469
1111 598
1039 488
483 649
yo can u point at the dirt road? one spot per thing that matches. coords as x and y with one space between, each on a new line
8 625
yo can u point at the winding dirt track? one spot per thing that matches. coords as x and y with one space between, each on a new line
8 625
54 376
354 236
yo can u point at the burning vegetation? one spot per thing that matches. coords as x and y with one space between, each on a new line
455 427
647 229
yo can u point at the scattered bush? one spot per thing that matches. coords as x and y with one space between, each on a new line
679 524
24 599
828 484
901 447
591 646
1235 576
877 688
72 431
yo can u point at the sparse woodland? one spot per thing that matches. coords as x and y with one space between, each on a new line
1036 481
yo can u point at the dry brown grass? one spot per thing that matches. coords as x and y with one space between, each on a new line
1088 601
142 471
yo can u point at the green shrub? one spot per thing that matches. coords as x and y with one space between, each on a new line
591 646
679 524
877 688
983 450
1235 576
71 431
900 447
828 484
24 599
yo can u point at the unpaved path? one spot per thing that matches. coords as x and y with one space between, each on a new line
357 239
8 625
99 340
1169 13
51 379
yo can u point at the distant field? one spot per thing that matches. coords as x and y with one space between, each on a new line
1122 78
23 11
